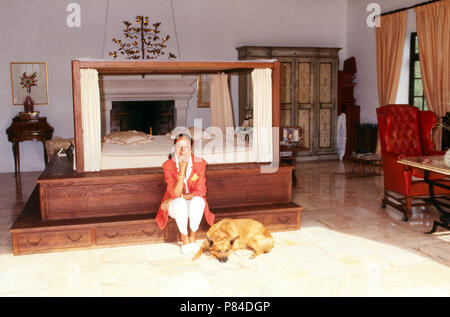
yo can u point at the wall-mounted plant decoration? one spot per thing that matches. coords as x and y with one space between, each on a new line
142 41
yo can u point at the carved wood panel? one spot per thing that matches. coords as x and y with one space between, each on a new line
304 82
285 82
325 84
325 128
304 119
285 117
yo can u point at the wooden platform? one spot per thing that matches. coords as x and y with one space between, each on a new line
68 211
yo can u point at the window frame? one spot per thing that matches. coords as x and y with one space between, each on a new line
413 58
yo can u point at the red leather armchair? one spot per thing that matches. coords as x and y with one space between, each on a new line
405 131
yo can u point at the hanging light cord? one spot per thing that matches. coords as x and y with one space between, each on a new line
175 28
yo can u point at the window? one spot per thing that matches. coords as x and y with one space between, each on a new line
416 96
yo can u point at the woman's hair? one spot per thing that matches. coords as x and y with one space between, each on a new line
183 135
178 138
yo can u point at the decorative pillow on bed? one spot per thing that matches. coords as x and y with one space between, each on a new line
128 137
194 133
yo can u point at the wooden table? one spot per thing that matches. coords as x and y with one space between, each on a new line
287 154
368 164
434 164
28 128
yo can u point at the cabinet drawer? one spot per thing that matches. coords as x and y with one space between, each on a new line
128 233
51 240
288 220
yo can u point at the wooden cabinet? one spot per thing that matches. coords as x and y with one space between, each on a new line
28 127
308 92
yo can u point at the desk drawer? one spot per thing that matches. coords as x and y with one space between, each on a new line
51 240
118 234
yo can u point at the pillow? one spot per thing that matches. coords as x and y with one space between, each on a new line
128 137
194 133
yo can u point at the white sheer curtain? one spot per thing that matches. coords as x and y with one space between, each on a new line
90 117
220 102
262 114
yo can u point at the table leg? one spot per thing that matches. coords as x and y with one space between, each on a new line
443 224
45 154
16 154
444 216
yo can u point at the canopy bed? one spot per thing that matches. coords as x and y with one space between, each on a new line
80 204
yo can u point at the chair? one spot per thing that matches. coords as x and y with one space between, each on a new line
405 131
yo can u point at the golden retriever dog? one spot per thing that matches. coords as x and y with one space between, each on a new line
229 235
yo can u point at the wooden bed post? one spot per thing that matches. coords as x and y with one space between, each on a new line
77 125
276 109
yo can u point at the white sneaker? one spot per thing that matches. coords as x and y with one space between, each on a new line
190 248
186 249
194 247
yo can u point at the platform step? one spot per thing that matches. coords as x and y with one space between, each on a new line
32 235
279 207
275 217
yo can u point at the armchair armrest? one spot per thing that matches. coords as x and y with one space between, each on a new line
434 153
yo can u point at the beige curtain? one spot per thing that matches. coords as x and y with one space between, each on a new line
220 102
433 32
90 117
390 41
262 114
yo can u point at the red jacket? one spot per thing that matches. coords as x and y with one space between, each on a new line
196 184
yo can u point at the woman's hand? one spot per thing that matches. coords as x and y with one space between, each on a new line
183 167
165 204
187 196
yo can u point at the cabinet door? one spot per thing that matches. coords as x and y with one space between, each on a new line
287 73
305 100
326 104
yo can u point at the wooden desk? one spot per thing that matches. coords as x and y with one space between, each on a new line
434 164
28 128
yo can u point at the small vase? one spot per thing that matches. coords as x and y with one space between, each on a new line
28 104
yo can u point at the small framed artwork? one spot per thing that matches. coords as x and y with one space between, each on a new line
29 79
292 136
203 91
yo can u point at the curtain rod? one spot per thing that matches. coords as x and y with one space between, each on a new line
410 7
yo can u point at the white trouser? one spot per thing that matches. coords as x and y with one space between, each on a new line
181 209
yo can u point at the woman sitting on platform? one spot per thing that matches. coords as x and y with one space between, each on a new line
185 196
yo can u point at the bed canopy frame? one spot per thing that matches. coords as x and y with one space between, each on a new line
104 67
84 210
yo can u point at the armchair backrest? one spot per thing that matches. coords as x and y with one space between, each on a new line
404 129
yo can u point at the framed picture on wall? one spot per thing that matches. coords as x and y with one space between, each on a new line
203 91
29 79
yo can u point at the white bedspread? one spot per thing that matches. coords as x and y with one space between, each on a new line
154 154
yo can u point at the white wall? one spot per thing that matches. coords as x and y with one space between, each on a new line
36 31
361 43
205 30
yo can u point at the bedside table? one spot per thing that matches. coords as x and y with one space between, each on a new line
287 154
28 128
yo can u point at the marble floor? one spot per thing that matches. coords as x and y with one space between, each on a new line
347 246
